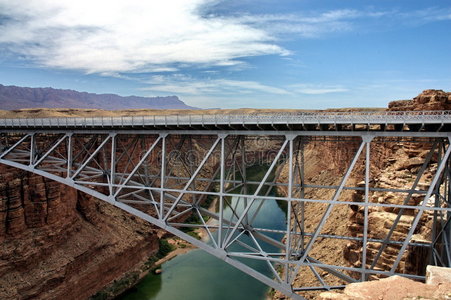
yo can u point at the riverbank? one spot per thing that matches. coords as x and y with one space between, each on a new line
177 247
169 248
181 247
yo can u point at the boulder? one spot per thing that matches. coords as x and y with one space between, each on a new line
438 275
391 288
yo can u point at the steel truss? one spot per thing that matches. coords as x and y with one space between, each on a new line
166 177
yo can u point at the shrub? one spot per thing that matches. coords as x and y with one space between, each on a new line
164 249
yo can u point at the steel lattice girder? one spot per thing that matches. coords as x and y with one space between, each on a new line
151 175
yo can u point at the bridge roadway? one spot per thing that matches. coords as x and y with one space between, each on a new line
129 163
340 121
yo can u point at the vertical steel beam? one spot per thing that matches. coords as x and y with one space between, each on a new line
163 173
433 254
221 192
32 149
365 220
69 155
302 191
290 195
244 178
191 171
113 165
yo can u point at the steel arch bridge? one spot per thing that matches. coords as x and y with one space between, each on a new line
163 168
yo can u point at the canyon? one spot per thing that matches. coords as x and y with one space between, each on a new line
58 242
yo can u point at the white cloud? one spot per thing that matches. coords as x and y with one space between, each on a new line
308 25
186 85
320 24
311 89
427 15
109 37
106 36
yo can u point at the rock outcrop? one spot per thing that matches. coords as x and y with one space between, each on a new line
393 166
399 172
438 286
57 243
427 100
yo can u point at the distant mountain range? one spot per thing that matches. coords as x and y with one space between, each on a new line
13 97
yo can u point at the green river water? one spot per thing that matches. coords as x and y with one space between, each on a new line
197 275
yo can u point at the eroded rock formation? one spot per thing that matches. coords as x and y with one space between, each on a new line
399 172
56 243
427 100
394 165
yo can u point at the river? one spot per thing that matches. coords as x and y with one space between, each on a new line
198 275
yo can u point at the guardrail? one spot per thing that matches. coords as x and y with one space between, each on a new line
373 117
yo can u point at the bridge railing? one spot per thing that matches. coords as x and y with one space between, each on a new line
353 117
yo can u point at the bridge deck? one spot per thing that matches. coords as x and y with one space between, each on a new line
323 121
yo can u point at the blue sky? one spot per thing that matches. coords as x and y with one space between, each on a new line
231 54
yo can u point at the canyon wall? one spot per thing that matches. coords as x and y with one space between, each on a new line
57 243
393 165
396 166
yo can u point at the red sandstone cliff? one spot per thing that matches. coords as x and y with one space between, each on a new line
56 243
401 164
393 166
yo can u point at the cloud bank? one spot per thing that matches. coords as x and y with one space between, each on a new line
106 36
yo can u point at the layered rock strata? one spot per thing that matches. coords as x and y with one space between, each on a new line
56 243
393 166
